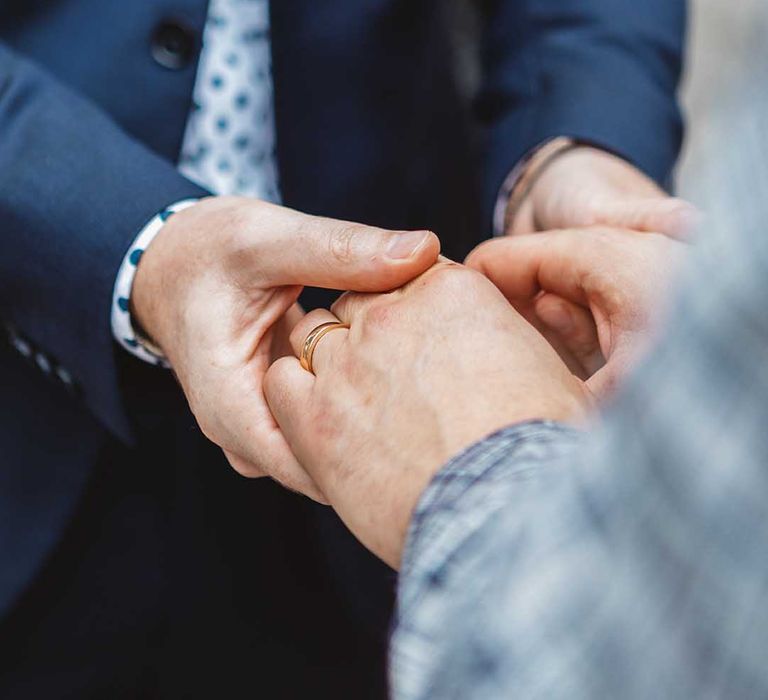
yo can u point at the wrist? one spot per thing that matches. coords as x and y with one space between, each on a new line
163 274
519 207
582 186
125 328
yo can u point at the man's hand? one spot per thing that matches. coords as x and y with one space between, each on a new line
589 187
217 291
421 374
597 294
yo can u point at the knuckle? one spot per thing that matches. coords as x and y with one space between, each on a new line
347 366
380 315
594 247
341 243
326 423
480 253
244 469
614 295
299 332
343 304
206 426
277 384
348 304
202 417
449 277
591 211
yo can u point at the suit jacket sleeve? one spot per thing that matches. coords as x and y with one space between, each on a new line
74 192
603 71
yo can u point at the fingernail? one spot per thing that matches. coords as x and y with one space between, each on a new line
404 245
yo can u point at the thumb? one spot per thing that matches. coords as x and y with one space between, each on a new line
670 216
573 327
554 262
320 252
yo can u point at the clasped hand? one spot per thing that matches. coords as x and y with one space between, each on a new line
422 372
427 370
542 324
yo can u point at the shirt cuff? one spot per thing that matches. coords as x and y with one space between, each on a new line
507 187
515 177
123 328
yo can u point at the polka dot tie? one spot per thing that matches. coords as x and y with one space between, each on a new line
229 144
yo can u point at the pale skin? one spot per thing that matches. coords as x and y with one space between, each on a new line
217 289
217 292
388 406
595 194
588 187
597 294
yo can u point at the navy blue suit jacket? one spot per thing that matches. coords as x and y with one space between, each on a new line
370 128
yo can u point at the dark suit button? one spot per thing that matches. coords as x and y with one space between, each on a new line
173 45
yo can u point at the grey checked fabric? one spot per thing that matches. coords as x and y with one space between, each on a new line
633 562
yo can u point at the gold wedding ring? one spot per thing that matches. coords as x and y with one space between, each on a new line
308 351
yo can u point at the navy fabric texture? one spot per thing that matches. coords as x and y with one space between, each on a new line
600 71
370 127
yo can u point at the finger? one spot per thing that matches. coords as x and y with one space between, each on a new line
523 266
320 252
261 447
281 346
287 472
575 329
243 466
673 217
326 346
624 359
605 383
288 389
284 468
528 312
350 305
292 317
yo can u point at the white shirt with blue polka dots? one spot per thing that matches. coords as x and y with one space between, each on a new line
229 143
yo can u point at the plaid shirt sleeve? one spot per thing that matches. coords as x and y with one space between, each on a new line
630 563
444 568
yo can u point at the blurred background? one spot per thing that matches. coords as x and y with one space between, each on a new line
727 45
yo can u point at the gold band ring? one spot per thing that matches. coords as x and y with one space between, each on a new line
313 338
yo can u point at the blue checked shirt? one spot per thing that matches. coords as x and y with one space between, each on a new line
628 563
